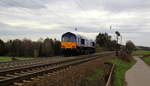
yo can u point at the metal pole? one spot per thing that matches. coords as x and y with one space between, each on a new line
117 34
117 47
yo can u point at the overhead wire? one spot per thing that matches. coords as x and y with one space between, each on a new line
83 10
80 6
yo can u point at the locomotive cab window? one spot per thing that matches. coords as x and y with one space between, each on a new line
69 38
82 41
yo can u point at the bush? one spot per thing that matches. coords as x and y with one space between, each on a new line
126 51
125 56
130 47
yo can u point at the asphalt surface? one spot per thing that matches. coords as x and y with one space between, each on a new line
139 74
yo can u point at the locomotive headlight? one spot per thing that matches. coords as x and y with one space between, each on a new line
63 46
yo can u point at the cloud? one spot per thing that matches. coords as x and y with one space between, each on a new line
32 4
51 18
125 5
11 31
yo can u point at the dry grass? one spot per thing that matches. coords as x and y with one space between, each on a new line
73 76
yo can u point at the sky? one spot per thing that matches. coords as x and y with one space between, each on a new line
36 19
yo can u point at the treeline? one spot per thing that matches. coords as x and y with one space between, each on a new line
105 41
143 48
51 47
27 48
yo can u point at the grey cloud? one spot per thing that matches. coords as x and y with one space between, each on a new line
32 4
110 5
126 5
116 5
8 30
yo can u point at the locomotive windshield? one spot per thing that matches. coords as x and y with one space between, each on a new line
69 38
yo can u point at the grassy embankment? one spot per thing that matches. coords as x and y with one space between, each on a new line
98 77
121 68
146 59
143 52
119 75
95 75
4 59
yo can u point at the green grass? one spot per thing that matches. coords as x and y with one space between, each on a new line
141 52
121 69
4 59
95 75
95 78
146 60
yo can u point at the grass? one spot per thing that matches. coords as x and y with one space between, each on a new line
146 60
4 59
121 69
141 52
95 75
96 78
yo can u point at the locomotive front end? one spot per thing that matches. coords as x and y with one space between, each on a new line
68 44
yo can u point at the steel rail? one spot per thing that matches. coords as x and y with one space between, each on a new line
47 68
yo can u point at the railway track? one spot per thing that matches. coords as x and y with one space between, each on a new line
21 63
8 77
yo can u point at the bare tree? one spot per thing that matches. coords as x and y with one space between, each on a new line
2 48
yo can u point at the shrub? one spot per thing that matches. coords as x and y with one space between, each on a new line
130 47
126 51
125 56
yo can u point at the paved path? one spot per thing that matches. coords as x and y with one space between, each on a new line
139 74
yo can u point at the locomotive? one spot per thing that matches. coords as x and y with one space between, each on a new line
75 44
